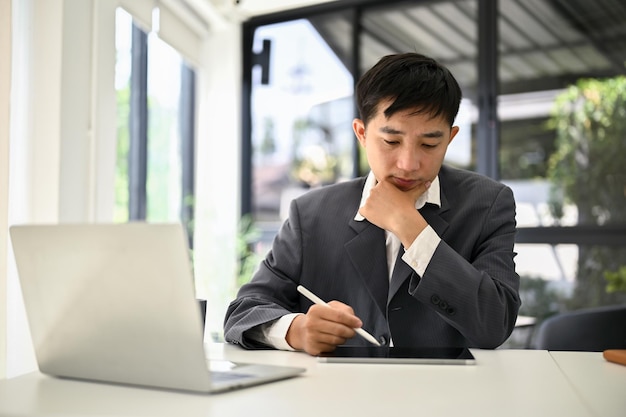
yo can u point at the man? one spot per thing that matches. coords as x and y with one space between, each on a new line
416 253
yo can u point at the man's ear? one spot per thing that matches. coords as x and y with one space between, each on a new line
359 130
453 131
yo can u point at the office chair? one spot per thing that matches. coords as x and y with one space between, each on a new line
592 329
202 305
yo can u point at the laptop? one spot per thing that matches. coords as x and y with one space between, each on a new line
116 303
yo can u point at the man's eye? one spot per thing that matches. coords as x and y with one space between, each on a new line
429 146
391 142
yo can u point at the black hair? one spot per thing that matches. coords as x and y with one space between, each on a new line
410 81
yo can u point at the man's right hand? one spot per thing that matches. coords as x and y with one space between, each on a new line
323 328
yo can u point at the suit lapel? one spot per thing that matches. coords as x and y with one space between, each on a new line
402 271
433 214
367 254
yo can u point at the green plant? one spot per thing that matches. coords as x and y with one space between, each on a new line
588 171
588 168
248 234
539 298
314 160
616 280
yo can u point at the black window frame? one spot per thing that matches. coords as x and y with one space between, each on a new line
138 126
487 135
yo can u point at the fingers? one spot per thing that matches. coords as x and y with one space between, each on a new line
341 313
323 328
392 209
388 191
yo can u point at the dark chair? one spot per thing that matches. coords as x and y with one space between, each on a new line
202 305
592 329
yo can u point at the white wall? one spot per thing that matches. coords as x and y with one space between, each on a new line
218 172
39 140
62 143
19 354
5 93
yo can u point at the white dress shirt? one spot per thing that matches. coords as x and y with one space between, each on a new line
418 256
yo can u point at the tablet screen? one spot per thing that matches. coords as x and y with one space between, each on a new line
374 354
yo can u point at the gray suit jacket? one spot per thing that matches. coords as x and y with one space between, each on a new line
468 295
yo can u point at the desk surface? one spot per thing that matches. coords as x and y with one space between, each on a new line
600 384
501 383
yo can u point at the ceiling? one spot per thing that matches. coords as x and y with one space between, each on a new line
543 44
215 12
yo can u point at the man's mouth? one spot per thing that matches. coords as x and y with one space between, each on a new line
404 184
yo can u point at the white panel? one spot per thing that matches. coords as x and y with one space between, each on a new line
218 173
104 111
181 27
176 32
75 165
259 7
141 10
5 95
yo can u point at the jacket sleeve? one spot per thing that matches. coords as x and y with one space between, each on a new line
477 292
271 293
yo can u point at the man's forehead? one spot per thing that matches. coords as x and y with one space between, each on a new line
395 120
384 105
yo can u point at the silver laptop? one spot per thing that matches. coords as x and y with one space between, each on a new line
116 303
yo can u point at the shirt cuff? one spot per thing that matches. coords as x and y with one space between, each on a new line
421 251
276 333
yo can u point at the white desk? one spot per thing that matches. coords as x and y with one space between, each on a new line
600 384
502 383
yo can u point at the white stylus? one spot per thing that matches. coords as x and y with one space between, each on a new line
314 298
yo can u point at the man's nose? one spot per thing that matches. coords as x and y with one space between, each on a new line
408 159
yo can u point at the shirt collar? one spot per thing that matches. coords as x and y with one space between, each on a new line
432 195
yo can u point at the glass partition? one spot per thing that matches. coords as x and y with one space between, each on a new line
301 119
562 107
561 123
151 94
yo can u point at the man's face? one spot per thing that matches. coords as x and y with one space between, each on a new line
407 149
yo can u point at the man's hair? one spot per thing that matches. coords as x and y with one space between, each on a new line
412 82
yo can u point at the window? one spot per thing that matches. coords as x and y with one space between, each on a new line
154 176
414 27
301 119
563 97
544 111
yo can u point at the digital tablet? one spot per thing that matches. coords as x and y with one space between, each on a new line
401 355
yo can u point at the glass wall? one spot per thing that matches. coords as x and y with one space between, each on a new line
558 139
418 27
151 157
563 148
302 114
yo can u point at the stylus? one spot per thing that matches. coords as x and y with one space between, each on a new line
314 298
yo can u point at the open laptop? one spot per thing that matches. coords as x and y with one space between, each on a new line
116 303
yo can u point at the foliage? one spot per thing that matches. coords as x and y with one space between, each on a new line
162 124
525 147
268 144
616 280
249 260
588 167
121 165
539 298
588 170
314 161
163 183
